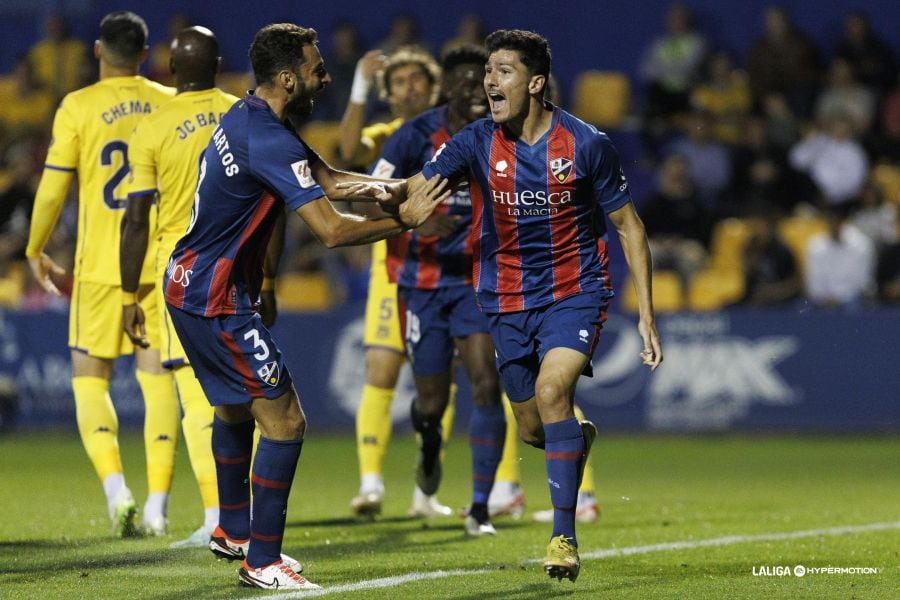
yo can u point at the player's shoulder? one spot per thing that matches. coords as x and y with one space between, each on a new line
263 132
581 129
164 91
83 96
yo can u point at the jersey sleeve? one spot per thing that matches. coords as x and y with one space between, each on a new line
281 162
607 177
393 163
142 179
64 146
453 157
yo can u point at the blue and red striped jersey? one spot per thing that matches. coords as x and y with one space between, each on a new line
253 166
539 227
418 261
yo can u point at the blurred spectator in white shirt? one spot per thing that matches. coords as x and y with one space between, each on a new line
840 263
834 160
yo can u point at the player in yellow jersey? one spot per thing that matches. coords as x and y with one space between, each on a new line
90 137
408 81
164 155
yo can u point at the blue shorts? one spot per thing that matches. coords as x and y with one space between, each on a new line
523 338
433 319
233 356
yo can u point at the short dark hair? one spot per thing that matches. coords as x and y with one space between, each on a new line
277 47
466 54
533 48
124 35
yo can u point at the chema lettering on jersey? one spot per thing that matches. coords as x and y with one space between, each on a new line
204 119
227 158
123 109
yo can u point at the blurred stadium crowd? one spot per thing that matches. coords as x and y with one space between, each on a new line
766 179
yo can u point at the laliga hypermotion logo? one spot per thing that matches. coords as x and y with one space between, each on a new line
561 168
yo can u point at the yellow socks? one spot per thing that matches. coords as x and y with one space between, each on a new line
508 469
373 428
97 424
587 482
447 419
161 416
197 426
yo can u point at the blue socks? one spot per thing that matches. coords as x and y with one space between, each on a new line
563 453
487 431
232 445
273 474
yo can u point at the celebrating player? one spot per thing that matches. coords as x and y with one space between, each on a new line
90 137
541 181
164 154
253 166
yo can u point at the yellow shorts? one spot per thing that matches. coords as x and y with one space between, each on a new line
95 319
382 316
171 352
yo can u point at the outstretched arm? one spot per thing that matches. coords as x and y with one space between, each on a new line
637 253
338 229
344 185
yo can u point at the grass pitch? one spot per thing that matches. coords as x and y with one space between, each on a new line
668 503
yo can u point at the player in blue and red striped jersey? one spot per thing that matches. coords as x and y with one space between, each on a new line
253 166
542 184
435 284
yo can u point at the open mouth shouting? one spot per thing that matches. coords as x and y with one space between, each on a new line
497 101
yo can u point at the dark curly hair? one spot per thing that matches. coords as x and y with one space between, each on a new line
277 47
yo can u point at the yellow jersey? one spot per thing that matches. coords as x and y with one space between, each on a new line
373 138
90 136
164 156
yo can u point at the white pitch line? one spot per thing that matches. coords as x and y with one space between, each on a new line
384 582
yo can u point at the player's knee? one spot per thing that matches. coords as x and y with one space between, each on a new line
549 392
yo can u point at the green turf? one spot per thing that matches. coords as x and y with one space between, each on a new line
54 542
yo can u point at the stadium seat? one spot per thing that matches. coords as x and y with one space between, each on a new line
712 289
729 237
304 292
796 231
887 178
12 286
602 98
668 293
323 137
